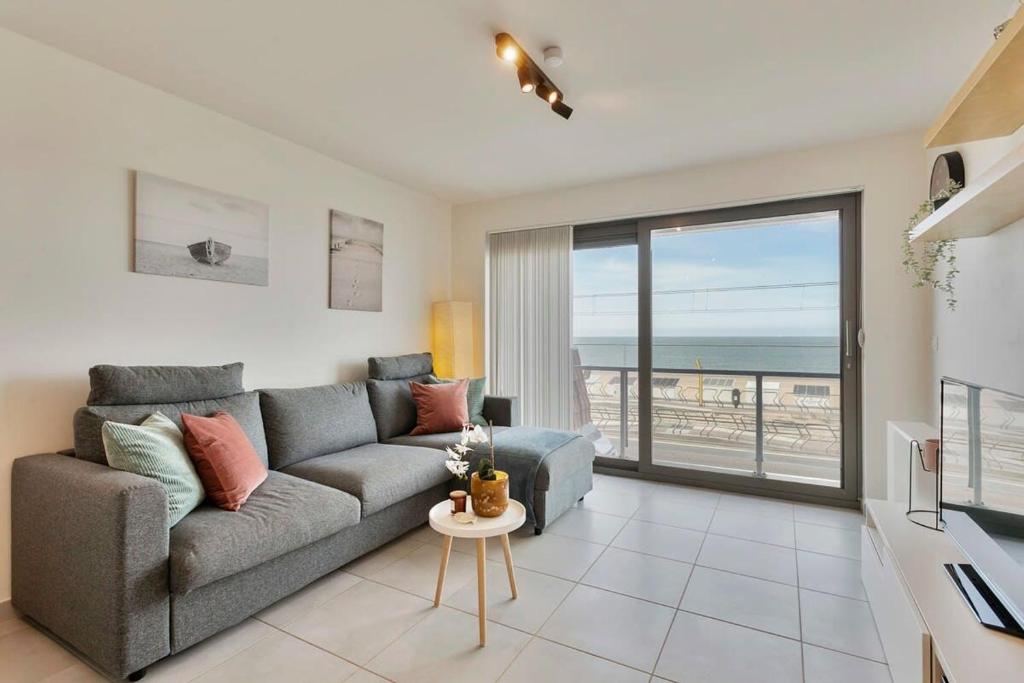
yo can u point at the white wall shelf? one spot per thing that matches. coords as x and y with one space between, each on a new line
990 202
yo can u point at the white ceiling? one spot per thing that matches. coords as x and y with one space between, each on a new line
411 89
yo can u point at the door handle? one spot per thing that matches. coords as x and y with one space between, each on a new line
849 345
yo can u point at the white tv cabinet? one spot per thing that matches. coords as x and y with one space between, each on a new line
927 630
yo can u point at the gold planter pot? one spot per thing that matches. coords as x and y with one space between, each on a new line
490 498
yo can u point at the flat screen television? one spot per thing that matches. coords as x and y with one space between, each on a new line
982 446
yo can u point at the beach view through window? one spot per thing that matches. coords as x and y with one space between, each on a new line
745 347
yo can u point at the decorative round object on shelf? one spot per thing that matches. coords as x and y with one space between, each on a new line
948 166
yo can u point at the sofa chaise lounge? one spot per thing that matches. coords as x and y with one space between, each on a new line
93 560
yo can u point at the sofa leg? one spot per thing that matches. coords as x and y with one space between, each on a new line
537 531
137 676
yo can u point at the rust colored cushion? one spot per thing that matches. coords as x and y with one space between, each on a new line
440 407
225 459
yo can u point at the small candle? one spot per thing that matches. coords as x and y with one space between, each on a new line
458 499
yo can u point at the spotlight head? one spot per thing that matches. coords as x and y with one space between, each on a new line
561 108
553 96
545 91
527 81
506 47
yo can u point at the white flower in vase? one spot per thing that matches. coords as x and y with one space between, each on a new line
474 435
455 463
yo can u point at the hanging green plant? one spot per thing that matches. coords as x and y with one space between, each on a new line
923 262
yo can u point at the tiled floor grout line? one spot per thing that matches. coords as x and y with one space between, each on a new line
203 672
697 563
380 583
515 659
800 622
576 584
280 629
589 654
675 613
779 635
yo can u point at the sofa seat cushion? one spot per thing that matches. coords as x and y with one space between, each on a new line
379 475
560 464
284 514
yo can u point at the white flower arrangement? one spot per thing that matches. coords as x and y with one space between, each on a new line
458 462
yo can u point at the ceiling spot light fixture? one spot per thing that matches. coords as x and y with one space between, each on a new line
531 77
526 80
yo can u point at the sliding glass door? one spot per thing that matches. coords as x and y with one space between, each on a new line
744 373
606 402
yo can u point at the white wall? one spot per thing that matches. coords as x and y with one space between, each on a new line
983 339
896 362
70 134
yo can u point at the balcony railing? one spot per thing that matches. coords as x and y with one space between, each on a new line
982 447
774 424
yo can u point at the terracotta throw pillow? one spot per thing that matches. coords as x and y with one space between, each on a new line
224 457
440 407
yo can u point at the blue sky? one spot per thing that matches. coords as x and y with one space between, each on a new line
777 253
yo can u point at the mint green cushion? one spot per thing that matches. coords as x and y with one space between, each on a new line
475 399
156 449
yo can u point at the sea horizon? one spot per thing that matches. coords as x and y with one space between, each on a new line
763 353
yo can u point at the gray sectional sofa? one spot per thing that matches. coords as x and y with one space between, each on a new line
95 564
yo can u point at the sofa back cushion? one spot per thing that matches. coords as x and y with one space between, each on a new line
111 385
88 423
394 411
400 367
304 423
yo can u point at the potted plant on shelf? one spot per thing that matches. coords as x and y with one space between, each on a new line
488 487
923 263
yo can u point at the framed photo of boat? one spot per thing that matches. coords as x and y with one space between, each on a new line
357 263
187 231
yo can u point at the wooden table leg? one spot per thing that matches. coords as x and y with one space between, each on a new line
509 566
481 587
445 552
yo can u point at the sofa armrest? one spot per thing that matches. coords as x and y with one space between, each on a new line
503 411
89 552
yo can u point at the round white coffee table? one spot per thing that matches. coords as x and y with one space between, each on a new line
442 521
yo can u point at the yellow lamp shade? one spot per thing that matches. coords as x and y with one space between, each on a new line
453 338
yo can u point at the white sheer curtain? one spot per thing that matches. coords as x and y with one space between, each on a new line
530 304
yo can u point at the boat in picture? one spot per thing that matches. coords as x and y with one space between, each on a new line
210 252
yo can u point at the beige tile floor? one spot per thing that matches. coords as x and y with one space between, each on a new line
641 582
